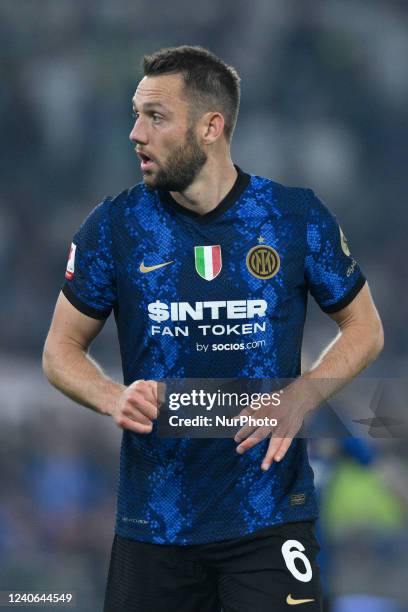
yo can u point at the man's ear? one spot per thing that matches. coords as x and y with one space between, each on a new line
212 127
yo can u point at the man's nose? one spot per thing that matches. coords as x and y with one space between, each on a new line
138 133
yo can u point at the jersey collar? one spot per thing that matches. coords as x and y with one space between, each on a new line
241 183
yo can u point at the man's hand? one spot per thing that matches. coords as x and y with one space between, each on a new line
137 406
289 416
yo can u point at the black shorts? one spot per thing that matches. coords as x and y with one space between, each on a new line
267 571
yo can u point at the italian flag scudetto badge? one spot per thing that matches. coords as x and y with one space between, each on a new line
208 261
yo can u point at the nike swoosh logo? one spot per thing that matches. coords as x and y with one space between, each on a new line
144 268
295 602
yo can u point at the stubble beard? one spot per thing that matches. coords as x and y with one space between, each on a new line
181 168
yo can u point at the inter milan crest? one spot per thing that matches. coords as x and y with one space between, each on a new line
208 261
263 261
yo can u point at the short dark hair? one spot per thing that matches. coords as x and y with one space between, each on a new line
211 83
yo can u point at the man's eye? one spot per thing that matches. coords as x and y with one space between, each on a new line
156 118
135 115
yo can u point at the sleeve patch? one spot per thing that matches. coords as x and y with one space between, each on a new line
69 273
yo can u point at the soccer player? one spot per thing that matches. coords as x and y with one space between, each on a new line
207 269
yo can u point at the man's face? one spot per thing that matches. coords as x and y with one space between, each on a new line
164 138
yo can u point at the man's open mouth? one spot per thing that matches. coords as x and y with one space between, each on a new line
146 161
144 157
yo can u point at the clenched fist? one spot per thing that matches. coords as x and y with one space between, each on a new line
137 406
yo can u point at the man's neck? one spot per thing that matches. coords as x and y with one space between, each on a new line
210 187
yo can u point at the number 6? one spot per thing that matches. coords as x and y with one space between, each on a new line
291 550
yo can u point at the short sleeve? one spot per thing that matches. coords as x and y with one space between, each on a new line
90 275
332 274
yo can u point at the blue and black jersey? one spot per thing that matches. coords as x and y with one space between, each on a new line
219 295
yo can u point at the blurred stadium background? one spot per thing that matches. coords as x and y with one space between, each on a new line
324 105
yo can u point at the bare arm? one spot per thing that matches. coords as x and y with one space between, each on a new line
359 341
69 367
